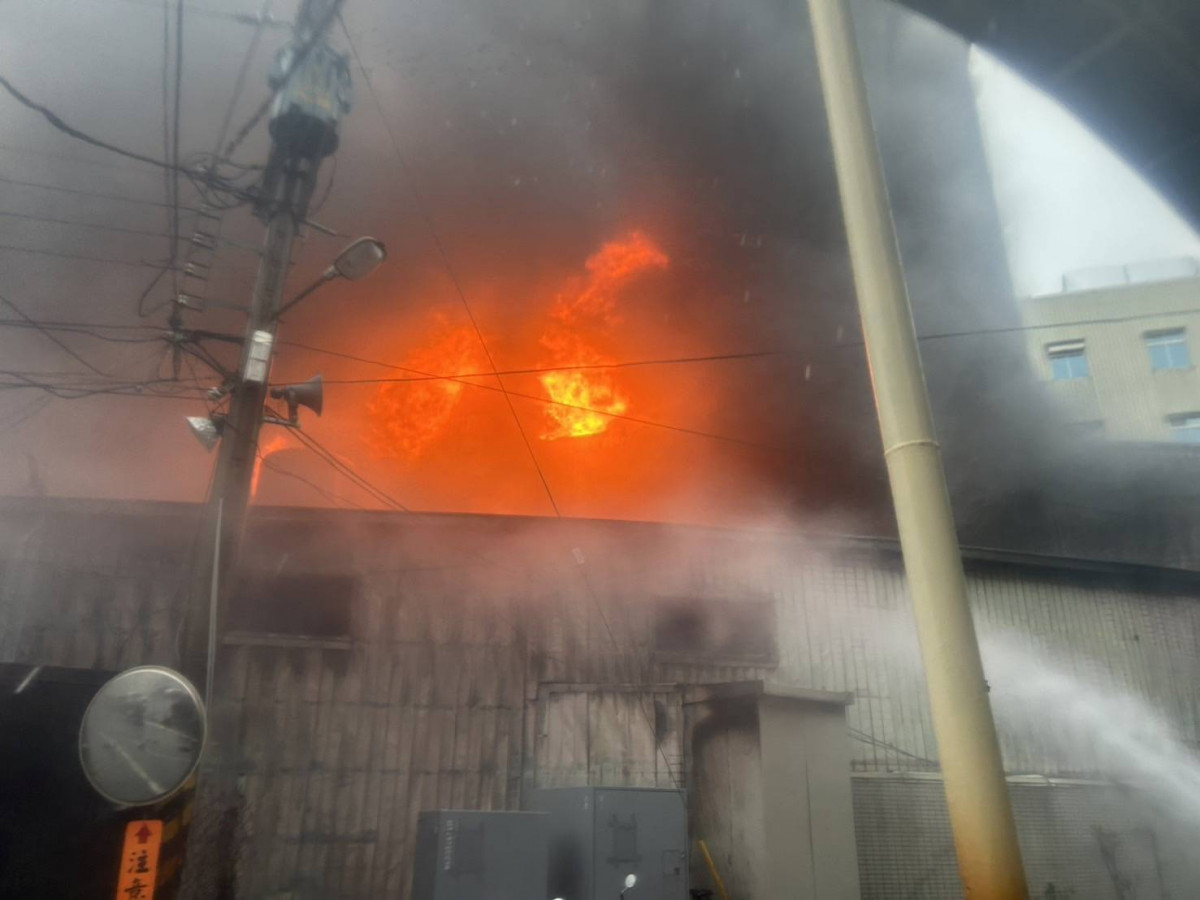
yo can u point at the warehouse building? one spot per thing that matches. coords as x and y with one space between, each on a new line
380 664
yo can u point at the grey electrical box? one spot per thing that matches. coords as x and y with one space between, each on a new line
600 835
468 855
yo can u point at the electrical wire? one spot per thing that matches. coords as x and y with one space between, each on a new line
57 121
77 224
170 151
328 495
378 493
75 380
59 325
427 376
49 335
126 389
95 194
58 254
24 415
210 13
240 83
538 370
203 354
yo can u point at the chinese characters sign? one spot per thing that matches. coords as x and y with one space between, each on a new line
139 860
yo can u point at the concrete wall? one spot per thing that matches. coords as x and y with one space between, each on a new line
1131 399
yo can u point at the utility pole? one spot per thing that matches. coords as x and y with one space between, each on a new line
985 837
313 89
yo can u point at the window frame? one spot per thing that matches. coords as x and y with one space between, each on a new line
1069 352
1166 342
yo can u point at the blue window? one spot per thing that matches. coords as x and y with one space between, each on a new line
1185 429
1168 350
1067 360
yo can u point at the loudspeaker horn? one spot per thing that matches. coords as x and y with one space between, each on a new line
310 394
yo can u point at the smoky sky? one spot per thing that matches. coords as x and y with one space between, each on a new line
514 138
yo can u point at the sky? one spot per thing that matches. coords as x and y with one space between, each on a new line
502 151
1067 201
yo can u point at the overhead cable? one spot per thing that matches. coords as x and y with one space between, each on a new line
49 335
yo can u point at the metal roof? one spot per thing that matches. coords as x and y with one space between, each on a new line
1130 69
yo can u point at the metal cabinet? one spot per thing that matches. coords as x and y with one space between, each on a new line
467 855
600 835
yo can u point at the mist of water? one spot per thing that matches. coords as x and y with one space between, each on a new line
1105 728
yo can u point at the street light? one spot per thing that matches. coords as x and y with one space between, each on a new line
207 430
358 260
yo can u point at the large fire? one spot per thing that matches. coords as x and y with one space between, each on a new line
606 439
585 399
407 417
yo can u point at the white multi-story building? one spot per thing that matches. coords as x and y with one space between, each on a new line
1118 350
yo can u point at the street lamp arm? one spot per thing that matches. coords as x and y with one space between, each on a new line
328 275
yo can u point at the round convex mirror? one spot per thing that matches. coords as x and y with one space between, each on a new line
142 735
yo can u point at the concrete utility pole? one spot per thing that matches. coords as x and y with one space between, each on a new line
989 858
312 90
312 85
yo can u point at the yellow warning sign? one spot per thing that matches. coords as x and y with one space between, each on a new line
139 860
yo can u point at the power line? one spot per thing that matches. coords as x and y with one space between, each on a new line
170 146
77 224
328 495
263 19
49 335
95 194
198 177
81 381
54 119
537 370
1082 323
344 468
57 324
170 151
127 389
427 376
437 240
42 154
240 83
58 254
24 415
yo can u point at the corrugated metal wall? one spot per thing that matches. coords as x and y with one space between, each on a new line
487 654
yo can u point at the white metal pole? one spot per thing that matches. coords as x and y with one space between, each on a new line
989 858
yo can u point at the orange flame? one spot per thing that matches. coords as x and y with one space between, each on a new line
591 306
271 446
406 418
